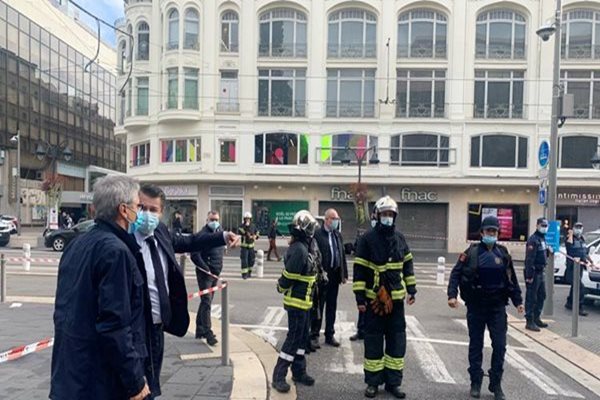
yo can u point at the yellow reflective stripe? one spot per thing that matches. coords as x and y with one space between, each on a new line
408 257
373 365
245 270
288 300
395 363
297 277
247 246
363 262
398 294
410 280
358 286
370 294
396 265
282 289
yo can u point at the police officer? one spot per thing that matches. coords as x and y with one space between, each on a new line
249 234
536 256
296 283
486 277
383 275
576 248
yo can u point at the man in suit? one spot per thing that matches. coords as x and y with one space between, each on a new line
166 294
331 246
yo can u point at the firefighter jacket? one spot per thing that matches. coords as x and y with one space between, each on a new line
298 277
249 234
383 258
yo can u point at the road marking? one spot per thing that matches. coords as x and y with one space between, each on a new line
432 365
271 320
344 327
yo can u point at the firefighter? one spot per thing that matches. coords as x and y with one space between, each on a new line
296 283
247 230
383 278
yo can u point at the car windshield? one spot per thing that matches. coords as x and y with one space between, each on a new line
591 237
85 225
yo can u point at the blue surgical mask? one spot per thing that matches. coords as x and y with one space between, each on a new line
135 224
387 221
489 240
543 230
335 224
214 225
146 222
373 223
578 231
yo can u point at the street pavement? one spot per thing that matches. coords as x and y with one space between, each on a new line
436 359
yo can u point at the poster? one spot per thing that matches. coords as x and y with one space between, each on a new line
505 218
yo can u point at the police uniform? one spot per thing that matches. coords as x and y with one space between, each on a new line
383 259
536 256
577 249
248 233
487 279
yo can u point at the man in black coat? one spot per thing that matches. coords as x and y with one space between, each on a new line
209 264
331 246
99 328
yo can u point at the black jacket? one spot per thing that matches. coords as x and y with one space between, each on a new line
536 254
210 259
322 238
299 275
99 331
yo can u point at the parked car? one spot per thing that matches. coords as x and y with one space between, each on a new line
12 221
59 239
5 230
560 261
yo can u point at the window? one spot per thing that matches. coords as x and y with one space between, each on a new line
500 35
140 154
143 43
577 151
352 33
585 88
499 94
180 150
581 34
282 33
227 150
122 56
351 93
333 147
191 29
513 219
173 34
500 151
142 96
280 148
422 34
229 32
228 97
281 92
420 149
173 88
420 93
190 91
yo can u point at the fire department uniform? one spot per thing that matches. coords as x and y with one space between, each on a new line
249 234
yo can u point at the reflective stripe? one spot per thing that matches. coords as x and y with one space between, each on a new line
394 266
363 262
370 294
410 280
378 268
398 294
290 301
408 257
281 289
373 365
301 352
297 277
247 246
245 270
286 356
395 363
358 286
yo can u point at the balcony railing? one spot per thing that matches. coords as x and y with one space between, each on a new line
131 2
283 50
281 109
422 51
420 110
365 50
500 52
228 107
586 111
422 156
350 109
500 111
581 52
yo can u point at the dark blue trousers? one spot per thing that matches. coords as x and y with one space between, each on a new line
156 336
535 296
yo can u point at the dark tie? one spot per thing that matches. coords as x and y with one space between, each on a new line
334 248
159 275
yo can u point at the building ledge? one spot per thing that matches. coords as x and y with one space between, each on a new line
136 122
120 130
131 4
178 115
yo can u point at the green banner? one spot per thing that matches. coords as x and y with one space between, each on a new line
265 211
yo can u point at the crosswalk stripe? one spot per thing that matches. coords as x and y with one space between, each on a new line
272 318
432 365
344 327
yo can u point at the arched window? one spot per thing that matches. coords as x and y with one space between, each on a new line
229 32
584 85
577 151
338 148
122 56
581 34
143 41
282 33
173 34
280 148
352 33
191 29
422 34
420 150
500 35
499 151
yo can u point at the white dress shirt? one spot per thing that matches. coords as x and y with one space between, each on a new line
152 288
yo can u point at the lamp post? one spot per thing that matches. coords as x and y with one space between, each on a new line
17 139
53 152
545 32
360 158
360 193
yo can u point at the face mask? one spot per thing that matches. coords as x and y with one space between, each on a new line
543 230
214 225
335 224
135 224
489 240
578 231
146 222
387 221
373 223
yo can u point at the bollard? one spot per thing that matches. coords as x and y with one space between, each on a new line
575 297
26 256
441 270
2 278
260 263
225 325
182 260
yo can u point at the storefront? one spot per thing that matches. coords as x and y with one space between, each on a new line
76 204
583 205
182 199
229 202
265 211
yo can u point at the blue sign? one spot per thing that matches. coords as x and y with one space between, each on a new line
553 235
544 154
542 196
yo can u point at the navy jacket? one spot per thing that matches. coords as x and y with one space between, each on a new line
536 254
99 333
341 271
209 259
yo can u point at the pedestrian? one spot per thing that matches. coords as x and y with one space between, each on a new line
99 330
576 248
486 277
564 231
272 235
249 234
166 293
536 256
383 279
177 224
209 264
331 246
296 284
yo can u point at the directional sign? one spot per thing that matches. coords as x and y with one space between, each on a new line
553 235
542 196
544 154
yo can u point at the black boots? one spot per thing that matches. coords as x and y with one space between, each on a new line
496 389
357 336
304 379
371 391
531 326
475 390
332 342
395 391
540 323
279 374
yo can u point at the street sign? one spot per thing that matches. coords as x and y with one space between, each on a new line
553 235
543 173
544 154
542 196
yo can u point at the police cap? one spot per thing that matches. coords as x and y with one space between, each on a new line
490 222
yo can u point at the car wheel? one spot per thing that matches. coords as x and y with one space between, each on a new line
58 244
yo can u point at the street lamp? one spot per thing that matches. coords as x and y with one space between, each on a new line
360 158
545 32
53 152
17 139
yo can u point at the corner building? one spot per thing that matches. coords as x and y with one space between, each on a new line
249 105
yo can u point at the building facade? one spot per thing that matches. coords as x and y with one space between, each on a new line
268 105
64 114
